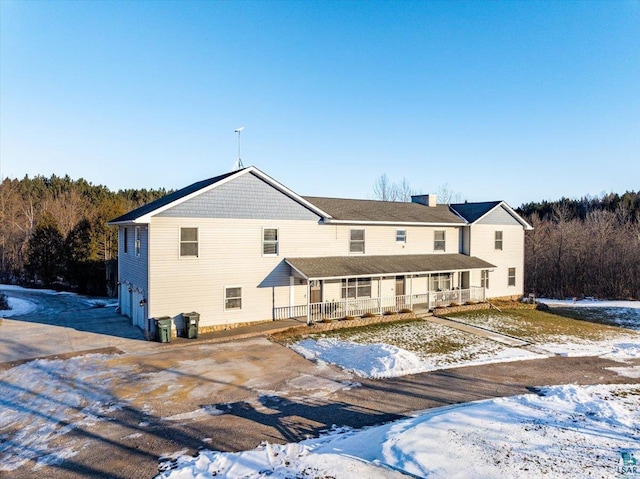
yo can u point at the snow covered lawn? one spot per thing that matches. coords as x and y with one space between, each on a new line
396 349
566 431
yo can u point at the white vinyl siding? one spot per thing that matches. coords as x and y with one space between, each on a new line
270 242
482 245
356 241
188 242
232 298
439 240
230 253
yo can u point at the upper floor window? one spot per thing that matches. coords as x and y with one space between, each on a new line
484 278
498 240
138 242
125 240
270 241
401 236
188 242
232 298
439 241
512 277
356 241
356 288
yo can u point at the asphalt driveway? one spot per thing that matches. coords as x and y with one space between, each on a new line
157 399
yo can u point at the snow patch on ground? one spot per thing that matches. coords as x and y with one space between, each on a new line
200 413
566 431
629 372
590 303
611 348
17 307
44 400
385 361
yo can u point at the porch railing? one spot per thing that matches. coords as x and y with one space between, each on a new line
358 307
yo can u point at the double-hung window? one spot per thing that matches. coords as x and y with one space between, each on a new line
232 298
356 288
138 242
512 277
270 242
188 242
125 240
484 278
498 240
439 240
356 241
401 236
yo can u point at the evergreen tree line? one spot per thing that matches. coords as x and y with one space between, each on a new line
584 247
53 231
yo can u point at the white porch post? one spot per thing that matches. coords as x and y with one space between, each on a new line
346 297
308 302
410 291
292 297
380 295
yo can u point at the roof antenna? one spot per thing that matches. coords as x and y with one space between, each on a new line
239 164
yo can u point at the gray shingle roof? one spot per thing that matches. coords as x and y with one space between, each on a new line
170 198
384 211
472 211
363 266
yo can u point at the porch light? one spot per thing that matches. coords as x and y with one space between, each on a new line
143 302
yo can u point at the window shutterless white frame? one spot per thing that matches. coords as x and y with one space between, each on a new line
356 288
498 240
512 277
233 298
439 240
356 241
138 242
401 236
270 242
189 242
484 278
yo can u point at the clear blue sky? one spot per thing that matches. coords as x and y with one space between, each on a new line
521 101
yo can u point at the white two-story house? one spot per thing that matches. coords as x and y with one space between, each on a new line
242 248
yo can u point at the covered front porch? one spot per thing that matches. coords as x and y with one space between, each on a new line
339 287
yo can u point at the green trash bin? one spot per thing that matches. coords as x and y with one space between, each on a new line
163 329
191 323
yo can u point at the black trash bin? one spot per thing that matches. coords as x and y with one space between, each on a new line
191 323
163 329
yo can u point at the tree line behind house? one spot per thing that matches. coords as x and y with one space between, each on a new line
53 231
584 247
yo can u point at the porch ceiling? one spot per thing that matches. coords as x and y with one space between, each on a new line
365 266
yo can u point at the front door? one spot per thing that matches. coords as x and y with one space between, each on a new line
315 291
400 302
